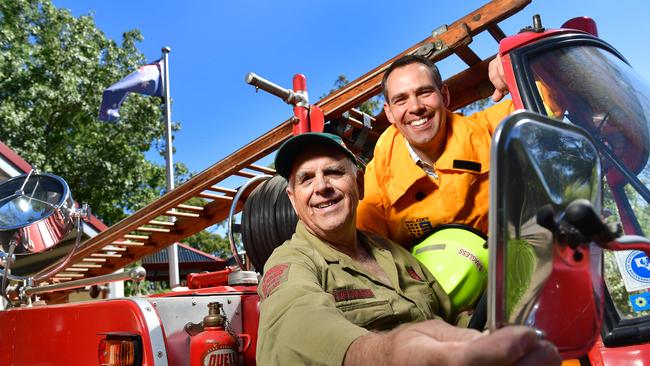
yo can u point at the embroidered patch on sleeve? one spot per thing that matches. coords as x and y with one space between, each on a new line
273 278
346 294
414 275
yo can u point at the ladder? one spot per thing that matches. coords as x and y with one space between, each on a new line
151 228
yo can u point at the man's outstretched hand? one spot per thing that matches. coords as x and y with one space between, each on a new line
435 342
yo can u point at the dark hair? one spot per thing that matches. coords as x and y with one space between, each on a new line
407 60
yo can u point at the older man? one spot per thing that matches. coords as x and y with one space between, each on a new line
431 166
333 295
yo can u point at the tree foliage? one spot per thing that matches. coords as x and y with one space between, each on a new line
371 107
476 106
53 69
210 242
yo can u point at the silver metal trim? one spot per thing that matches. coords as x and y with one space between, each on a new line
154 326
491 323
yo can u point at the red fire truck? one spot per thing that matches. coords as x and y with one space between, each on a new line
576 154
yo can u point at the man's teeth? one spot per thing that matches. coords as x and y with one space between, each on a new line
325 204
418 122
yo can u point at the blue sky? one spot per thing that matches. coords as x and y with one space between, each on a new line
215 43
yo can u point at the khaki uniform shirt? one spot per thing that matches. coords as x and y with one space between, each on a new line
315 300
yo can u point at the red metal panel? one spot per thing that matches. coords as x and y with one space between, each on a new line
67 334
521 39
634 355
251 317
7 335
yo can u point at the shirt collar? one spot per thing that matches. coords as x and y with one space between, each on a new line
330 254
428 168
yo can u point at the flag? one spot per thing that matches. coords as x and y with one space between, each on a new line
148 80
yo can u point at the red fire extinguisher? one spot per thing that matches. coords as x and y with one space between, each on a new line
214 345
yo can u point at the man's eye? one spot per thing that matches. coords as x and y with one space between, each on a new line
426 93
399 101
335 172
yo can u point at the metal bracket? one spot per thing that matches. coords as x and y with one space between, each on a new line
193 328
363 135
430 50
440 30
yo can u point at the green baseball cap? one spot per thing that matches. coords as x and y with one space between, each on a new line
292 148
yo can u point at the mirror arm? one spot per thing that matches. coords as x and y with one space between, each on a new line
580 215
629 242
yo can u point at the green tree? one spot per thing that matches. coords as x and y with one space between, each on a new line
53 69
371 107
476 106
210 242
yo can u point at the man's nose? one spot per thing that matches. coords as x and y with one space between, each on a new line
322 183
416 106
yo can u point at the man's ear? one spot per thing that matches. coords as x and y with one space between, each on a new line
291 198
389 114
444 90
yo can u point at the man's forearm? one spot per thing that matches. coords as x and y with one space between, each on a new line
434 342
369 349
406 345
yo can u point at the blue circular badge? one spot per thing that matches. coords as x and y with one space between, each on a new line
637 265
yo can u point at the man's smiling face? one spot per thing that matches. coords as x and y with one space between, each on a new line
416 106
324 189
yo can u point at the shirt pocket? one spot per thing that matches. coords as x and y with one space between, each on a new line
365 313
425 298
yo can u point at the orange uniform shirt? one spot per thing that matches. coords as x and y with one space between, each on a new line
403 203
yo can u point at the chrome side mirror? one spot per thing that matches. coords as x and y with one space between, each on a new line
534 279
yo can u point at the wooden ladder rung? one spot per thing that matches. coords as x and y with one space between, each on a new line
244 174
496 32
161 223
86 265
75 269
110 248
262 169
190 208
94 260
468 56
211 196
69 275
152 230
136 237
107 255
181 214
128 243
222 190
